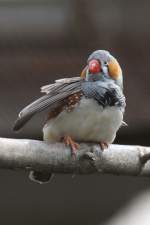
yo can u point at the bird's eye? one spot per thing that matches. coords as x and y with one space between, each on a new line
106 63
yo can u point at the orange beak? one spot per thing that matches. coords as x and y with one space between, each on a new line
94 66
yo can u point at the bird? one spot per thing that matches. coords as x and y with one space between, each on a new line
85 108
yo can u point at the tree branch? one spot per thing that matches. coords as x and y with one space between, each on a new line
40 156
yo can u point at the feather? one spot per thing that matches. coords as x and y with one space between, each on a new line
105 93
59 84
55 95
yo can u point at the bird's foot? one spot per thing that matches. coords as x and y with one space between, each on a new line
103 145
73 145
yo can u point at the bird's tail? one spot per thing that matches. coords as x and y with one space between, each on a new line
40 177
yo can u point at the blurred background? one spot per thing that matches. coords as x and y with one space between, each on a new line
41 41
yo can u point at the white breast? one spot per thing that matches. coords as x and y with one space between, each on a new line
88 121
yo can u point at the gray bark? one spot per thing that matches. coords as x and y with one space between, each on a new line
56 158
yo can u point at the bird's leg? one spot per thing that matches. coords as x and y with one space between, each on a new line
103 145
73 145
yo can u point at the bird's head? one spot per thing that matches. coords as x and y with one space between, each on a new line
102 66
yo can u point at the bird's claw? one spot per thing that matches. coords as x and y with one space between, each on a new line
103 145
73 145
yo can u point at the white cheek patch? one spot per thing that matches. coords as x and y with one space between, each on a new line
105 70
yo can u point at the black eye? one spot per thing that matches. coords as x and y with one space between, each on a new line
106 63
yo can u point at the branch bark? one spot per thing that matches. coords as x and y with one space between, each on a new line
56 158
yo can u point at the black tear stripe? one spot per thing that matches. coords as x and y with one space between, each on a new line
105 93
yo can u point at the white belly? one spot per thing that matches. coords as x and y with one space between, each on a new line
88 121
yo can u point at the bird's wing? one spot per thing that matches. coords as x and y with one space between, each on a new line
54 97
59 84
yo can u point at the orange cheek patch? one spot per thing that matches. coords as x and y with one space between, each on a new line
83 73
114 69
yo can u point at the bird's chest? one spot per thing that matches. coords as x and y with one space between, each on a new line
88 121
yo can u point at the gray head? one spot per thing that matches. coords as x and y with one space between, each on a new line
101 65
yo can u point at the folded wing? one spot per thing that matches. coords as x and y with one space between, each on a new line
55 95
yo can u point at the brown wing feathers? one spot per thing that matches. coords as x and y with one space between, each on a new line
68 105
